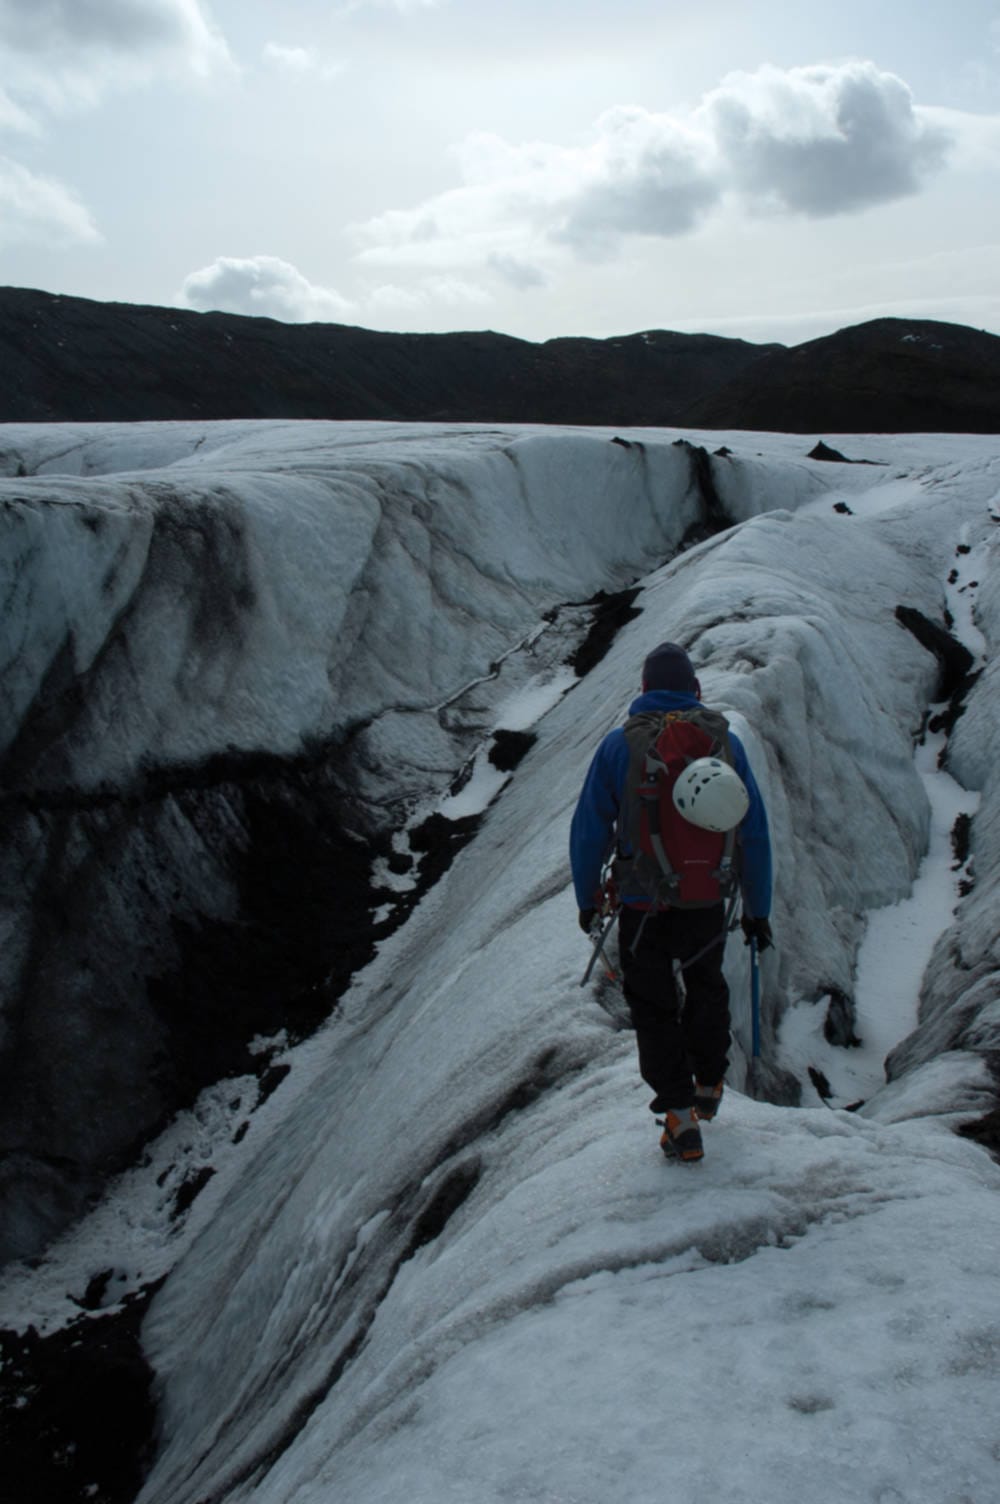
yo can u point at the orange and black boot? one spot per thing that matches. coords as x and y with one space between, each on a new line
681 1138
707 1100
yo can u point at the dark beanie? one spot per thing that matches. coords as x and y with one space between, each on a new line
669 667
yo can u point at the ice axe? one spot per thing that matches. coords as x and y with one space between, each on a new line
600 939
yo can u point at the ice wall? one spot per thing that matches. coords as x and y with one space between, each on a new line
960 997
397 1243
236 658
258 673
231 658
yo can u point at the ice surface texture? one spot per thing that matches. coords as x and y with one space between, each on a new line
450 1263
231 657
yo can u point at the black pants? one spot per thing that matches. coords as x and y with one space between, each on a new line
678 1042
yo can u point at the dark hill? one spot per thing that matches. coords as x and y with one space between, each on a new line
888 376
71 359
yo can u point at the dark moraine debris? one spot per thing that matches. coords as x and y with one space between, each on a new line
76 1412
955 660
510 748
611 612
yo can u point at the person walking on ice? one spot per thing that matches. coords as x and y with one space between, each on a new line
671 801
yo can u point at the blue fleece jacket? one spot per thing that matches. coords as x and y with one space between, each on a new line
593 831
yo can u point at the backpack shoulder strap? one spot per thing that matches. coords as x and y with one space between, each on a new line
640 732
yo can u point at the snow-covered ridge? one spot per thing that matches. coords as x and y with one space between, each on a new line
269 584
233 656
560 1256
269 589
445 1259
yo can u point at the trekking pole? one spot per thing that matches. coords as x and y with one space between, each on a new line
754 1013
600 939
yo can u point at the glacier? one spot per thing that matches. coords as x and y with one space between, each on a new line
428 1247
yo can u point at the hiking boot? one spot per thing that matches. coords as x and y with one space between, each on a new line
706 1101
681 1138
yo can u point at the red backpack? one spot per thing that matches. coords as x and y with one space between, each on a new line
670 862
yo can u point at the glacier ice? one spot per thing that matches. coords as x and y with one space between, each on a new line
445 1260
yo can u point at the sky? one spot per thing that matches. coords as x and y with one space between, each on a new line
771 171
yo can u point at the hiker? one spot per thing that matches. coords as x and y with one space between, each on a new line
675 904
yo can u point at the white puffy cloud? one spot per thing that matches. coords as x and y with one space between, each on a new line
38 210
821 141
268 287
264 286
646 175
814 141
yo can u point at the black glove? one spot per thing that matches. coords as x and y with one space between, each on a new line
586 919
757 929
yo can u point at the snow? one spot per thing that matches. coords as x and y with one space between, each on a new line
481 789
522 710
898 943
276 583
970 564
743 1336
447 1261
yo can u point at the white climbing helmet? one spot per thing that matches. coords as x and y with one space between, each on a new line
711 794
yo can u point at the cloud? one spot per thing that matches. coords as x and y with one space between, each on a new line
39 210
301 60
817 141
267 287
13 118
452 292
61 54
59 28
510 200
295 59
403 7
822 141
641 174
518 274
264 286
648 175
66 52
975 138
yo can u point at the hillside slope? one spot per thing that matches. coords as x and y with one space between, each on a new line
887 376
73 360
